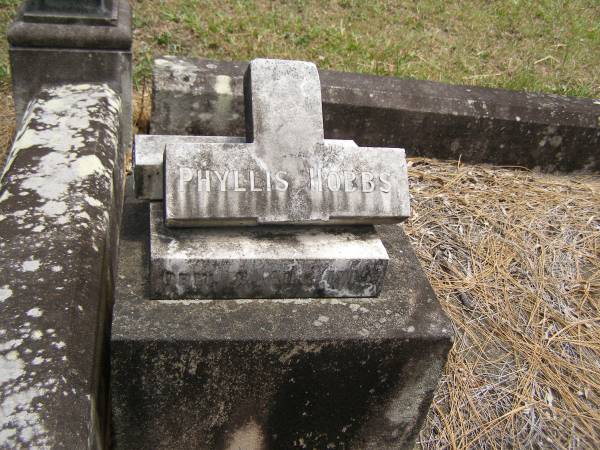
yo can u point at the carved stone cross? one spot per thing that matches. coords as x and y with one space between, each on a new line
286 173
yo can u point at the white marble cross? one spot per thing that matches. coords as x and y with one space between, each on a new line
286 172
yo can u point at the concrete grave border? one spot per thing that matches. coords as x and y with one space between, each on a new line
549 132
61 197
189 373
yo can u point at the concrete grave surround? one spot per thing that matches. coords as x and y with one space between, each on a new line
286 173
279 374
61 196
264 262
431 119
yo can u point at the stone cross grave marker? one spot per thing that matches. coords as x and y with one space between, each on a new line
286 173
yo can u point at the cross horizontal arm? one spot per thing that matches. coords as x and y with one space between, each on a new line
227 184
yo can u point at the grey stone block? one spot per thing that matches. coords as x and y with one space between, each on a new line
97 12
278 374
148 160
496 126
52 32
60 206
264 262
51 54
286 173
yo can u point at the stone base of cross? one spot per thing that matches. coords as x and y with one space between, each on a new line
283 173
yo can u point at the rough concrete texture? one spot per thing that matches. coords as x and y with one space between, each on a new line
496 126
273 374
264 262
60 204
148 160
52 54
286 173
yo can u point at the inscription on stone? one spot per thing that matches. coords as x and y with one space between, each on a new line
286 173
249 180
264 262
148 159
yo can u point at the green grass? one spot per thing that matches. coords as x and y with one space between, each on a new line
7 12
544 45
533 45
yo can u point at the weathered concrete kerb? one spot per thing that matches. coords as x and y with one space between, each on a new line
60 207
496 126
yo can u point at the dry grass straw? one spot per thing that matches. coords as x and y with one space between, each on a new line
142 107
514 258
7 124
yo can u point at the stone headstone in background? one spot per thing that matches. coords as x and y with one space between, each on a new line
55 42
71 11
